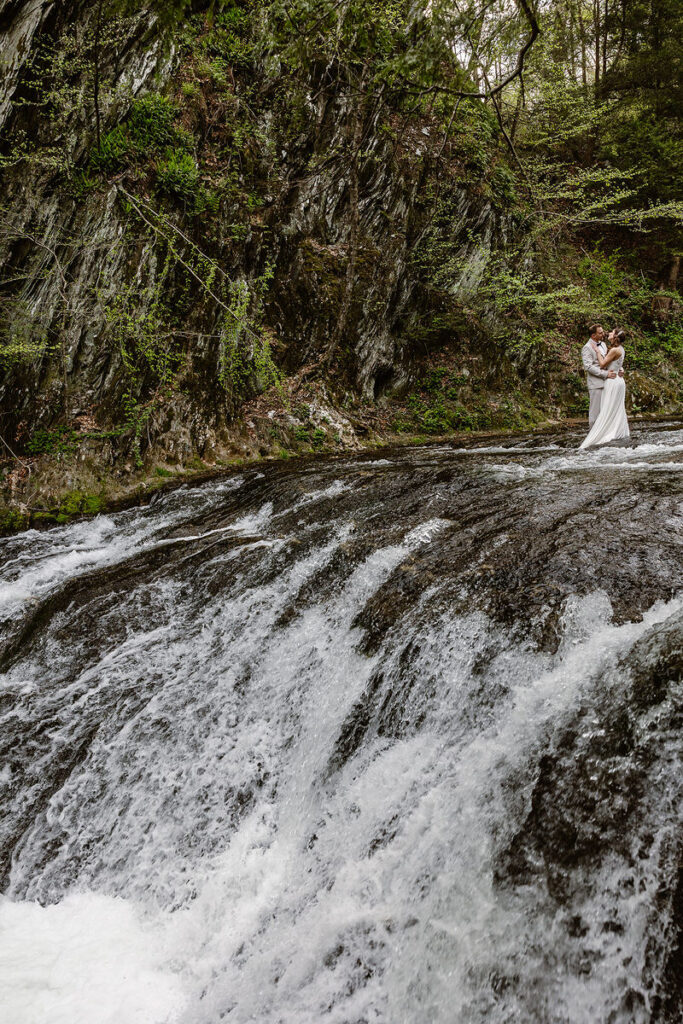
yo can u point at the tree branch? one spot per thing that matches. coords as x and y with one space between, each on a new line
489 92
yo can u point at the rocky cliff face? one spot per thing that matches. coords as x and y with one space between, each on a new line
237 230
74 253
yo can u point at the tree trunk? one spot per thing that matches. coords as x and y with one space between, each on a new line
674 272
572 42
661 304
604 39
515 118
596 33
584 59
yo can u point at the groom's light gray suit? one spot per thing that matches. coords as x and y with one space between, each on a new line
595 378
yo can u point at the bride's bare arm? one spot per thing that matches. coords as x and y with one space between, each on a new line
613 354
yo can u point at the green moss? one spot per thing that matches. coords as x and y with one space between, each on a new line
78 503
11 521
73 504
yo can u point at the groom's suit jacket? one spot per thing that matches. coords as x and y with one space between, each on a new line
595 377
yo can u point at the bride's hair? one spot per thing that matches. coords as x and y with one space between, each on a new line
617 337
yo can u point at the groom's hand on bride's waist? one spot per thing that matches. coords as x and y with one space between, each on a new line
621 373
611 374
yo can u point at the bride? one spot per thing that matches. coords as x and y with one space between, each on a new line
611 424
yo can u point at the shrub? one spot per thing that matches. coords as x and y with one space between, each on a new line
61 440
148 130
178 175
151 123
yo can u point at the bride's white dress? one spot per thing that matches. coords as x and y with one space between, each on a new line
612 423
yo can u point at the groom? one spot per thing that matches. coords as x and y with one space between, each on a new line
595 377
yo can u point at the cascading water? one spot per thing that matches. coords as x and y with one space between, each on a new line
374 739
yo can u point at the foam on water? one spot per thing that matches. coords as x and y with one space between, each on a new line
27 572
508 449
334 489
90 959
282 917
263 818
579 463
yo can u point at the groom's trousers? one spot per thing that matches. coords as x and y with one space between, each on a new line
595 395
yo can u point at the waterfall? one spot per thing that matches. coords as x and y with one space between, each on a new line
386 739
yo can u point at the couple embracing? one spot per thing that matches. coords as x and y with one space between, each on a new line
603 359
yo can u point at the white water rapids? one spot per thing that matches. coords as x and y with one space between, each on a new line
276 743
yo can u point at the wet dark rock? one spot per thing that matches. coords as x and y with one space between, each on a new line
357 723
590 783
668 1003
592 796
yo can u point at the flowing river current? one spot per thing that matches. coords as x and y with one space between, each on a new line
384 739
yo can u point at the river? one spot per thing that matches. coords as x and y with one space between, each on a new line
391 738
